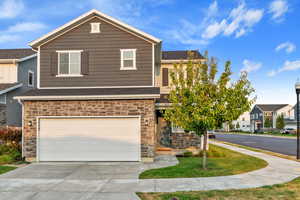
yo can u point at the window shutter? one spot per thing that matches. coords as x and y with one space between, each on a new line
85 63
54 63
165 77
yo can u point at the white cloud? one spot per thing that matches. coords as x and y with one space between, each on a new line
250 66
26 26
272 73
238 23
287 66
214 29
186 37
278 8
11 8
287 46
8 38
212 9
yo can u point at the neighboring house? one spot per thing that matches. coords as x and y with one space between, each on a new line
169 135
17 75
261 112
96 93
243 121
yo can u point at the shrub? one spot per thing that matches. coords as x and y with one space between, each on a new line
213 152
188 154
10 154
11 135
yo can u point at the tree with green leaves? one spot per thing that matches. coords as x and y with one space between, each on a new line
201 100
237 126
268 123
280 122
231 126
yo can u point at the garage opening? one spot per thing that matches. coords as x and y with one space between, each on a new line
89 139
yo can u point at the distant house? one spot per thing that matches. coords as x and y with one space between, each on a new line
17 75
262 112
243 121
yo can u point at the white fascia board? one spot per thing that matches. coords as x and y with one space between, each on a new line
27 58
89 97
10 89
102 15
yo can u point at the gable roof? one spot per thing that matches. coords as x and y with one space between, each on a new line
15 53
181 55
93 13
271 107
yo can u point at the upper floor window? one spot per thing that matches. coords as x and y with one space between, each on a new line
128 59
3 99
69 63
30 78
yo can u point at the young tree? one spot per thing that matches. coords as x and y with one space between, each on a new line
231 126
280 122
268 123
237 126
202 101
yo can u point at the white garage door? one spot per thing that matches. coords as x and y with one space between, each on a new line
89 139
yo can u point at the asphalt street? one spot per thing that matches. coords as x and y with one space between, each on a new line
279 145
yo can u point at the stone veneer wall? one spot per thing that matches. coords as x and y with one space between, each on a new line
185 140
2 115
168 138
145 108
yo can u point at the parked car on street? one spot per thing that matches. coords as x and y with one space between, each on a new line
288 131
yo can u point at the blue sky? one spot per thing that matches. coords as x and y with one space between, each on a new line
261 37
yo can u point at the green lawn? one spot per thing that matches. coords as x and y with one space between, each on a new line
4 169
221 162
288 191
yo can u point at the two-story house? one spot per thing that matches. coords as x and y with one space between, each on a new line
262 112
96 92
17 75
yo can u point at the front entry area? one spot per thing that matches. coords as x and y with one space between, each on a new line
89 139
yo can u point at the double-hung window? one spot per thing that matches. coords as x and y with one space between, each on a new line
128 59
69 63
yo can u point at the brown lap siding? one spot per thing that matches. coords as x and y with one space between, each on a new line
144 108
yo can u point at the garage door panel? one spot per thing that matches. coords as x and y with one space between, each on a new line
86 139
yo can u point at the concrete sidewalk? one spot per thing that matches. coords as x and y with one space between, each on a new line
76 186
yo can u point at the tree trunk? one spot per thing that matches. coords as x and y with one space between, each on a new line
204 158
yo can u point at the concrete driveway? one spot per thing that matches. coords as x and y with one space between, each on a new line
78 181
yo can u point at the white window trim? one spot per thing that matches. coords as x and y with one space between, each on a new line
134 59
68 75
3 102
93 31
31 72
176 129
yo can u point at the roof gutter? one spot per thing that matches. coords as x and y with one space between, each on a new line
88 97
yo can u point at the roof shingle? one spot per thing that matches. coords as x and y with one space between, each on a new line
271 107
15 53
181 55
92 91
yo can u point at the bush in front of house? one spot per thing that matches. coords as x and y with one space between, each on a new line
10 147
